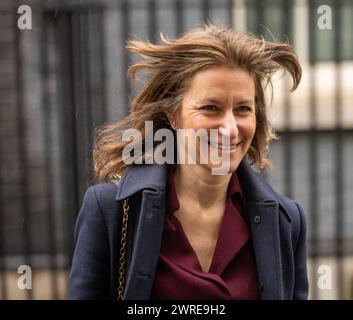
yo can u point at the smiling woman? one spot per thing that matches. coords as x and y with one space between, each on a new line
178 231
221 98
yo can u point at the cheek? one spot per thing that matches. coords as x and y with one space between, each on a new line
252 129
249 129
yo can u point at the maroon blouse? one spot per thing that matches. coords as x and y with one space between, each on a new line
232 273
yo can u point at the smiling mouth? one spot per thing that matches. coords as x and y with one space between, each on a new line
230 147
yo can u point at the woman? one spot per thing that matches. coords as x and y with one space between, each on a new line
178 230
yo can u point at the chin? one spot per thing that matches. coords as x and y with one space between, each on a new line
230 166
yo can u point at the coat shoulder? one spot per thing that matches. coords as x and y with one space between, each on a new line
105 196
105 192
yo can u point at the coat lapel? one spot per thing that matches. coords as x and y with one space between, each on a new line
151 180
263 215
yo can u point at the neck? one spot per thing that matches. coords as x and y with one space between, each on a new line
196 183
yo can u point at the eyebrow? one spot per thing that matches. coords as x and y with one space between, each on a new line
218 101
212 100
246 102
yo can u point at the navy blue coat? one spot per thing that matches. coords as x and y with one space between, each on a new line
277 224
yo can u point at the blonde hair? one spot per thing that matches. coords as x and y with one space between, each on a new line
170 67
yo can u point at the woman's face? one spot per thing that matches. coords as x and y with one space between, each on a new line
224 99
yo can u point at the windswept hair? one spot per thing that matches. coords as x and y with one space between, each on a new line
169 68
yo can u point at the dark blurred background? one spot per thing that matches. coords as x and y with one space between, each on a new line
67 75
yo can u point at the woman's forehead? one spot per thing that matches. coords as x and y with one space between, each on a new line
216 93
220 99
216 81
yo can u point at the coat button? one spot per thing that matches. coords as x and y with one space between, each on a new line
257 219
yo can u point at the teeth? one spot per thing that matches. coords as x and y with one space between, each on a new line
231 147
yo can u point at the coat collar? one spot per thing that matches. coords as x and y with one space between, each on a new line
255 186
138 178
154 177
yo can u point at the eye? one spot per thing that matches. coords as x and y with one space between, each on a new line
209 108
244 109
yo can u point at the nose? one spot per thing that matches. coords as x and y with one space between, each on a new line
229 126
